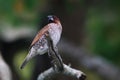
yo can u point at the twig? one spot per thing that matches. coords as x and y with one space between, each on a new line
46 75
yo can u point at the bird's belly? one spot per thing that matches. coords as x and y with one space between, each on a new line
55 35
55 38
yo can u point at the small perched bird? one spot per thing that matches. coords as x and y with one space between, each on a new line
39 44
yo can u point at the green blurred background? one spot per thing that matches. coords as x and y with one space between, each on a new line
93 24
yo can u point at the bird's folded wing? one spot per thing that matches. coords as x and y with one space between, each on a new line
40 34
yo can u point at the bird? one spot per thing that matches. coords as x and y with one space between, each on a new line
39 44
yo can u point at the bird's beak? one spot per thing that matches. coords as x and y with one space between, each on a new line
50 19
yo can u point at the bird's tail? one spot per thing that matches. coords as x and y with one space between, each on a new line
30 55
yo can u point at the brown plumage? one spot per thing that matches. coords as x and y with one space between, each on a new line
39 35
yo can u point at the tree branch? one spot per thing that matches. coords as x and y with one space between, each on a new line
89 61
5 72
46 75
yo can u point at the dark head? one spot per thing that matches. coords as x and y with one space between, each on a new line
52 19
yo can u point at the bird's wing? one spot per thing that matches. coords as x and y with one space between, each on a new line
39 35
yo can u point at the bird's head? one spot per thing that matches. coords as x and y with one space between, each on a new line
53 19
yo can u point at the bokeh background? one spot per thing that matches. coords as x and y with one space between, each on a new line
90 39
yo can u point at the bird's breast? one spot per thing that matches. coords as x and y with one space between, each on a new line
55 33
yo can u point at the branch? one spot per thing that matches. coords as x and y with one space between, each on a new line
46 75
5 72
89 61
9 33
